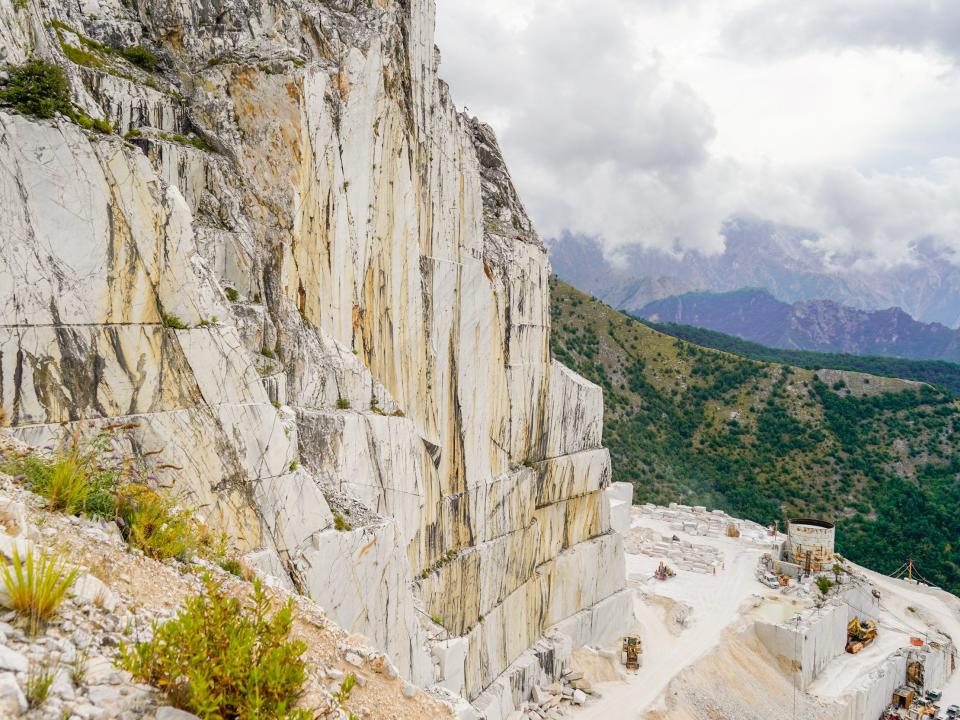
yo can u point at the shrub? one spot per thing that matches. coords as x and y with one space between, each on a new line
343 694
89 123
37 586
824 584
89 477
102 126
141 57
340 523
343 404
172 321
153 523
37 685
223 658
232 566
38 88
74 481
231 294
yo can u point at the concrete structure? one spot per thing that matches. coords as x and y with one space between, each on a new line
811 543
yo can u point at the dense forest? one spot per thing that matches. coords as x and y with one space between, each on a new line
936 372
767 441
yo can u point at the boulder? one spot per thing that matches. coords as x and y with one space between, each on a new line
172 713
12 700
11 660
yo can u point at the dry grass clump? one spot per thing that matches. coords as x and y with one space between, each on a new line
37 586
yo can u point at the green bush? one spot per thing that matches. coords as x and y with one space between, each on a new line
223 658
343 404
141 57
343 694
86 477
38 88
74 481
153 523
824 584
232 295
172 321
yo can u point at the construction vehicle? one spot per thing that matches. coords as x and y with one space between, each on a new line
664 571
630 652
860 634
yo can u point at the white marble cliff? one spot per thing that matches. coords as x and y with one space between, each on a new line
310 283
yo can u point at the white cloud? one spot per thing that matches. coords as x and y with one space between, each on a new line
652 122
784 27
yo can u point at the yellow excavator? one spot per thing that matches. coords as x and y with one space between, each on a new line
630 652
860 634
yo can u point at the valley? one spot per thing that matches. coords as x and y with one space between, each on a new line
766 441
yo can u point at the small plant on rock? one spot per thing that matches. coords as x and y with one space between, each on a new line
37 585
340 523
172 321
343 694
74 480
141 57
824 584
343 404
78 666
153 523
36 687
223 658
38 88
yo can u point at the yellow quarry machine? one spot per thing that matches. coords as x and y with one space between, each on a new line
860 634
630 652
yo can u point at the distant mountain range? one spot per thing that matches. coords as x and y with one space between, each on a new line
820 325
780 260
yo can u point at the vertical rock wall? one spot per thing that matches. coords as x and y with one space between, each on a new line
362 393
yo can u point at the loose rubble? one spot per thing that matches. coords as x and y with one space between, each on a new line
117 598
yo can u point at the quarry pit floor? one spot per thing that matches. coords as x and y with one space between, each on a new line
684 619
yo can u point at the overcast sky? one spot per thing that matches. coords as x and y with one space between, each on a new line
651 121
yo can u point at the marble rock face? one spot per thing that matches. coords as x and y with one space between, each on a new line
308 284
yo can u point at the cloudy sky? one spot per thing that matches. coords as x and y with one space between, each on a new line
651 121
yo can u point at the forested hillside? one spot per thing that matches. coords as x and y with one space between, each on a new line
768 441
938 372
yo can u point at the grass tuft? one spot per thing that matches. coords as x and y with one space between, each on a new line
37 586
340 523
141 57
36 687
173 321
78 666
